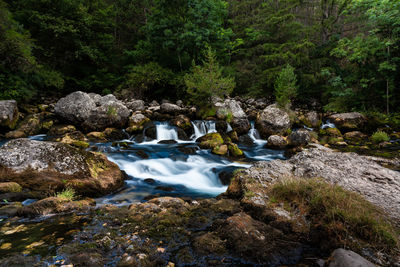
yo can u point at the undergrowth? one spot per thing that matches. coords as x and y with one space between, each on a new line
339 211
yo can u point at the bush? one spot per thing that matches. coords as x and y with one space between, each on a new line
379 137
338 211
206 81
285 87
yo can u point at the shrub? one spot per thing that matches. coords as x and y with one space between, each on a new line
67 194
285 86
338 211
206 81
379 137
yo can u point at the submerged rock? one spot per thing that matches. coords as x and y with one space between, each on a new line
43 166
92 112
8 114
273 120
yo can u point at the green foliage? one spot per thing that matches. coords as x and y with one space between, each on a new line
148 78
379 137
207 81
338 212
67 194
285 86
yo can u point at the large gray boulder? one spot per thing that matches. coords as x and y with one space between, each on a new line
348 121
8 114
92 112
273 120
299 137
230 109
169 108
347 258
42 166
136 105
353 172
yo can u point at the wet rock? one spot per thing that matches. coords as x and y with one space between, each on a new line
136 123
276 141
91 111
149 181
61 129
246 140
234 150
142 154
347 258
240 125
136 105
10 187
255 240
167 142
272 120
53 205
183 122
355 135
170 108
97 136
210 141
8 114
299 137
348 121
311 119
231 111
41 166
115 134
31 125
188 150
220 150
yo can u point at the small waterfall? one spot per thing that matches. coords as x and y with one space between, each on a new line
253 133
166 132
328 124
229 128
202 128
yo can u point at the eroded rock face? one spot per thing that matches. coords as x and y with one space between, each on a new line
41 166
8 114
363 175
272 120
92 112
348 121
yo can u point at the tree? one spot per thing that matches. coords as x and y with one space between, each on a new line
285 87
207 81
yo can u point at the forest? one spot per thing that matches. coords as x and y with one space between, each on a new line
343 55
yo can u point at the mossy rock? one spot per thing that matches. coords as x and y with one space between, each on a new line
334 132
10 187
80 144
210 141
220 150
234 150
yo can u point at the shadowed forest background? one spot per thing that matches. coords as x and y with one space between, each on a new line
344 53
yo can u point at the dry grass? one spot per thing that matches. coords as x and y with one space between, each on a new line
339 211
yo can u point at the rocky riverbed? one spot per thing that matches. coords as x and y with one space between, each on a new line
91 180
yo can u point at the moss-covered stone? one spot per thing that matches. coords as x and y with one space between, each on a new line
234 150
220 150
210 141
10 187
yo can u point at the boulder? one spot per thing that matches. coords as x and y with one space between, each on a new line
231 111
347 258
234 150
43 166
311 119
136 105
299 137
92 112
272 120
353 172
183 122
276 141
348 121
210 141
136 122
31 125
8 114
220 150
170 108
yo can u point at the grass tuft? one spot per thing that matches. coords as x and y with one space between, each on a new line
379 137
339 211
67 194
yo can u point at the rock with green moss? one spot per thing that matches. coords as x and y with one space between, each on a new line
311 119
96 136
348 121
220 150
8 114
136 123
234 150
31 125
43 166
61 129
10 187
210 141
334 132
